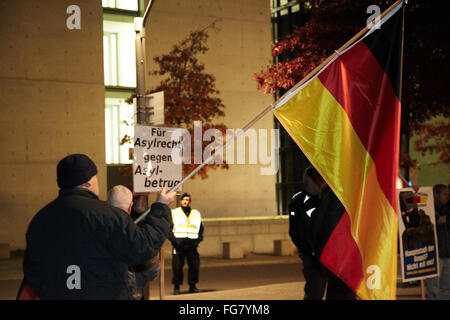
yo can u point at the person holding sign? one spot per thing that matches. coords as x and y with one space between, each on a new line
139 275
185 236
79 247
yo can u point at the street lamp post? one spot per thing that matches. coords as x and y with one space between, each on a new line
139 28
143 113
140 70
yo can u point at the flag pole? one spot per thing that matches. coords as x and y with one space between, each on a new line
295 87
400 85
342 48
211 157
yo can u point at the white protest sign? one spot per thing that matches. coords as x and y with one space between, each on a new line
154 166
417 234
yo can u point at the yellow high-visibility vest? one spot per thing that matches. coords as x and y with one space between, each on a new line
186 227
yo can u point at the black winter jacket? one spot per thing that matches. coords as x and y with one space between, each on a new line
79 230
443 231
302 213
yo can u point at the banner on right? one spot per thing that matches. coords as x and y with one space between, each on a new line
417 234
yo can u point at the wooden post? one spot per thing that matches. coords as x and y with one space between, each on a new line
422 289
146 293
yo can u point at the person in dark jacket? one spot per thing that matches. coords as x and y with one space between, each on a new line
301 215
185 236
79 247
139 276
314 213
328 215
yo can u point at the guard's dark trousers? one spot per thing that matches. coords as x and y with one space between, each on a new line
193 260
315 276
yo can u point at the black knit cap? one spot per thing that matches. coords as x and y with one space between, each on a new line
74 170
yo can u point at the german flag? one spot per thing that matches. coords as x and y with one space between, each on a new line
346 120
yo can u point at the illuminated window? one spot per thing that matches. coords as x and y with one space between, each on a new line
119 52
118 124
131 5
120 77
110 58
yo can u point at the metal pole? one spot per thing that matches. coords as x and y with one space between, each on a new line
211 157
147 11
141 110
404 140
140 70
273 105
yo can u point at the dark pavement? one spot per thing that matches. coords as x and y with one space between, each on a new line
238 276
255 277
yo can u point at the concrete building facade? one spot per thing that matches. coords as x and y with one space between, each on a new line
53 98
239 46
52 101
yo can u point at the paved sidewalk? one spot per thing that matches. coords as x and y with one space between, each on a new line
249 259
11 270
282 291
11 275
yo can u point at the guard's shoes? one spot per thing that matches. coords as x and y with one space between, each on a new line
193 289
176 290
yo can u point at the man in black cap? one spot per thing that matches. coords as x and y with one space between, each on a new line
185 237
79 247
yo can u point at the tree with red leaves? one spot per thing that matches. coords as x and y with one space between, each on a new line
435 138
426 68
190 94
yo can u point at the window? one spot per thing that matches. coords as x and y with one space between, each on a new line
131 5
285 16
120 78
110 58
119 51
118 124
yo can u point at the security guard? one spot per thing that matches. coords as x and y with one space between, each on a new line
185 236
302 212
314 213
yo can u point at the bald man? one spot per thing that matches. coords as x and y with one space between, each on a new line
138 276
121 197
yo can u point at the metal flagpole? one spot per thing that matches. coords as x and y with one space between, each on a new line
205 162
273 105
400 85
